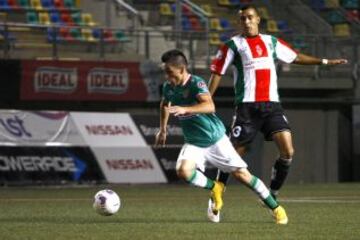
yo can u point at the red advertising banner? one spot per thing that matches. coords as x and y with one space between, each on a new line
82 81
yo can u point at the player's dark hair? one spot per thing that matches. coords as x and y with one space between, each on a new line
175 57
249 6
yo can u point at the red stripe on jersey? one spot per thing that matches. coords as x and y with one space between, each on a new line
262 91
286 44
218 62
257 47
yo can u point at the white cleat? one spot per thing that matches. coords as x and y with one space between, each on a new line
215 218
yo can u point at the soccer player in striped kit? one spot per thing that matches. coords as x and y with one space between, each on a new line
258 108
187 97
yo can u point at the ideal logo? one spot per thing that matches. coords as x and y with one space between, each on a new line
54 79
15 126
106 80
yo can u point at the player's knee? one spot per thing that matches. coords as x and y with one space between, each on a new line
183 173
242 174
288 154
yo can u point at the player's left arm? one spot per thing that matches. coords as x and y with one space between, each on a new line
304 59
205 105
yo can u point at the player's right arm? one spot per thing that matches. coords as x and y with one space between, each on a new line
221 62
160 137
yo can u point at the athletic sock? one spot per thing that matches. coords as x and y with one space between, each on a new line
279 173
261 190
222 176
198 179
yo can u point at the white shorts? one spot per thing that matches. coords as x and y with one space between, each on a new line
221 155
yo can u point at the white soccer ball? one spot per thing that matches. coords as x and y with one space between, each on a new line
106 202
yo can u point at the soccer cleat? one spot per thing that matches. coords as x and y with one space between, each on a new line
215 218
280 215
216 195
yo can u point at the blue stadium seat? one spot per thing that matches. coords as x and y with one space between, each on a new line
55 18
4 5
47 4
318 5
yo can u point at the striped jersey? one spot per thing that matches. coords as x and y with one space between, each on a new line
253 58
200 129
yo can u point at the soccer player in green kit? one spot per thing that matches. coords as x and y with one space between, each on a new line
187 97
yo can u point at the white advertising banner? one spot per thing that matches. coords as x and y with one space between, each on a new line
38 128
108 129
129 165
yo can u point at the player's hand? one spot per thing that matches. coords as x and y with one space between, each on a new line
160 139
337 61
177 110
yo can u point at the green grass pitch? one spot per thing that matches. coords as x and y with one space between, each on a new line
172 212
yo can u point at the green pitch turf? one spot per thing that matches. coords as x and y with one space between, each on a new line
174 212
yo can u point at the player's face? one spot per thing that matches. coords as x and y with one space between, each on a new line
249 22
173 74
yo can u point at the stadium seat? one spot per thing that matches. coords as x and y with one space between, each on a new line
165 9
55 18
264 13
185 24
335 17
47 4
208 9
214 39
215 24
69 4
87 35
44 18
52 35
187 10
13 5
66 19
36 4
59 4
353 15
225 24
195 23
76 18
318 5
76 34
87 19
350 4
342 30
4 5
24 4
271 26
332 4
108 35
224 3
32 17
283 26
64 34
120 36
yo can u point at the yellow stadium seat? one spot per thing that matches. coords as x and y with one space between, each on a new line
332 4
225 3
263 12
44 18
87 34
87 19
342 30
165 9
36 4
215 24
214 39
208 9
271 26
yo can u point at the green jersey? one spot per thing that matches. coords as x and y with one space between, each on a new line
200 129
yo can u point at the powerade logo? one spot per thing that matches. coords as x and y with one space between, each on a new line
54 79
106 80
15 126
37 164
